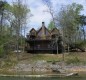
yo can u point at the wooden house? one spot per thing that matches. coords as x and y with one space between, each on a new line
43 40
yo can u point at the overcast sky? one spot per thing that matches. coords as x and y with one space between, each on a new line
38 10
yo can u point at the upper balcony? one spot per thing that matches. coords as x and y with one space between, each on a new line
37 38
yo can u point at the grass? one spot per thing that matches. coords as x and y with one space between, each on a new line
46 57
73 57
76 58
69 58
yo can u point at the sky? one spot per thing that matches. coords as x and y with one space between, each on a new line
38 10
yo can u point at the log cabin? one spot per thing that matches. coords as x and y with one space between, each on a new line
44 40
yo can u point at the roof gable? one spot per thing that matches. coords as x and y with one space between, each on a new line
54 31
43 31
33 31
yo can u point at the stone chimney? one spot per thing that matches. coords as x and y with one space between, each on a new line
43 24
43 30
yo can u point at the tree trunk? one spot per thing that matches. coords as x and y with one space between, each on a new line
83 32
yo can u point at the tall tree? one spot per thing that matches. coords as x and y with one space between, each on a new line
4 25
82 21
20 13
68 23
67 20
51 25
50 10
4 10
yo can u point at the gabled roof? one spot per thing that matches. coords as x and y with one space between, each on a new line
39 30
43 31
32 30
54 31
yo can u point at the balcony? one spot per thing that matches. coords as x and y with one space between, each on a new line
38 38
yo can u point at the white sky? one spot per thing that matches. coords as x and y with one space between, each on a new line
38 10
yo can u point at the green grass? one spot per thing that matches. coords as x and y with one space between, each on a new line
70 58
73 57
76 58
46 57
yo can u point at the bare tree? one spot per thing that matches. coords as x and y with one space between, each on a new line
20 12
50 10
67 20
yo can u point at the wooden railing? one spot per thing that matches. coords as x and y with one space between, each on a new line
39 38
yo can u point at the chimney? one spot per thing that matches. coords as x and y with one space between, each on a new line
43 30
43 24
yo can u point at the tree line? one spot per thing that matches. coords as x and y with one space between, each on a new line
69 21
13 20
